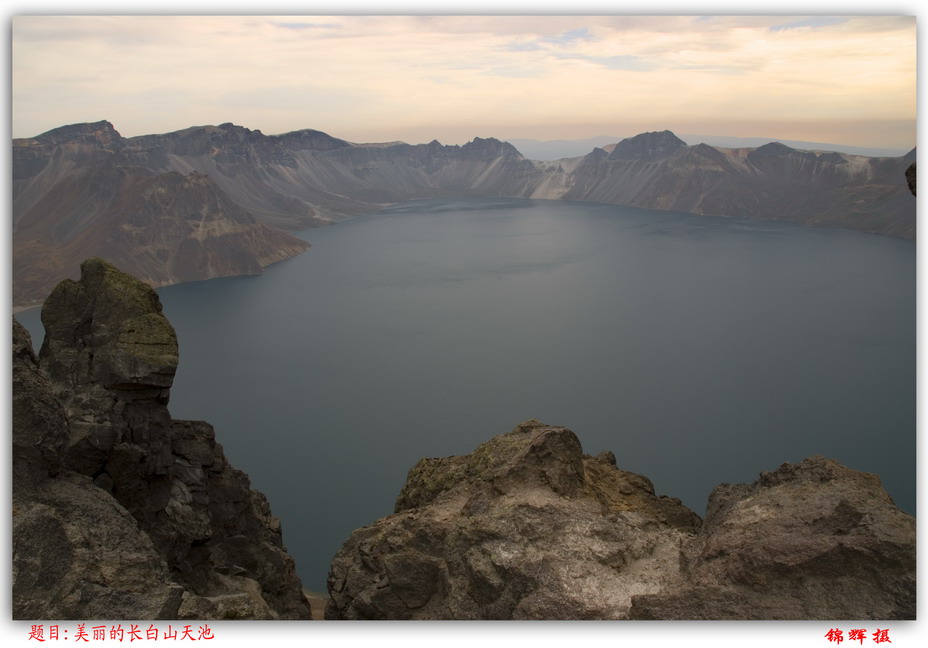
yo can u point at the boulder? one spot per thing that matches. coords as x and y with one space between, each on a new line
812 540
95 444
77 552
525 527
528 527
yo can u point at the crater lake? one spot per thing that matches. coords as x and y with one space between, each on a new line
700 350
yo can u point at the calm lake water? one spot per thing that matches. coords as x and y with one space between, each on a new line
700 350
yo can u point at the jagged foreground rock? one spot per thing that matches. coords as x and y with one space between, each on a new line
120 511
527 527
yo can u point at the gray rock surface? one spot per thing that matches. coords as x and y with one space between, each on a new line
528 527
77 553
81 192
110 490
813 540
40 429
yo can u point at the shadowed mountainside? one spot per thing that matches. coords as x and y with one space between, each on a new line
77 194
120 511
204 201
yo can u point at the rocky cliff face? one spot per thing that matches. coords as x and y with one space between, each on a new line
528 527
774 181
308 176
202 202
82 191
301 179
119 511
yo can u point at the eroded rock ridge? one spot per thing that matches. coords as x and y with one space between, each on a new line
528 527
120 511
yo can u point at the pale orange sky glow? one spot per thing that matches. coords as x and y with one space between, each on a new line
844 79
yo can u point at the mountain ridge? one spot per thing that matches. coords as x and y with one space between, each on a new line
83 177
556 149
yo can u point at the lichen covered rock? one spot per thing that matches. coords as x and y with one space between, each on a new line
40 429
812 540
525 527
528 527
94 443
77 552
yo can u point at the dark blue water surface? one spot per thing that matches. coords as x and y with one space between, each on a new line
700 350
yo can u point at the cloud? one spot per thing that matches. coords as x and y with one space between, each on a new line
537 42
570 37
818 21
305 25
627 63
361 74
512 71
531 46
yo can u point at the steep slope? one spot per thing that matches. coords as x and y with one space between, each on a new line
330 178
528 527
119 511
297 180
77 193
261 174
771 182
201 202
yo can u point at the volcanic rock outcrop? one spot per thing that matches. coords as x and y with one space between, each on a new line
528 527
204 201
78 191
774 181
119 511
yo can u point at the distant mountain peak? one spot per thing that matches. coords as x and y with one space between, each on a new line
100 134
84 128
774 148
311 139
491 147
76 184
647 146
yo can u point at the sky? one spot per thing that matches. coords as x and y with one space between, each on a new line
377 78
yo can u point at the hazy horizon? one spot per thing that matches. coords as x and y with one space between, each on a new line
452 78
689 138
